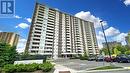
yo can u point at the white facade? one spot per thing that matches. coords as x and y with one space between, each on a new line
58 34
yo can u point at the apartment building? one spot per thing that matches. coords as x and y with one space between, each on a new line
9 37
58 34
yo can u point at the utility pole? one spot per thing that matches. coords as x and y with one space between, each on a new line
101 22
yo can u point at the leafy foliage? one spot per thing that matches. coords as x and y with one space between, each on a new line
117 50
122 49
9 68
8 54
45 67
127 52
84 57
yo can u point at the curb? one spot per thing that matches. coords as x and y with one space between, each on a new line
121 69
108 70
127 68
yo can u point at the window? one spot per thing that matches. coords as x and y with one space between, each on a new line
35 47
36 35
36 39
48 44
38 29
39 22
38 26
37 32
35 43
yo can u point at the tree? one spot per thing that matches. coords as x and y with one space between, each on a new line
116 51
127 52
105 51
8 54
122 49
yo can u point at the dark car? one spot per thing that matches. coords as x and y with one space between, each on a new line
114 59
91 58
123 59
100 58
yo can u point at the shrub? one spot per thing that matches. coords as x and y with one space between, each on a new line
83 58
32 67
9 68
45 67
20 67
26 67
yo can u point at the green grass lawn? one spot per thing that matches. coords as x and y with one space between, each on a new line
106 67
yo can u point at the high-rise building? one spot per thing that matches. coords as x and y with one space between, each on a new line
58 34
9 37
127 38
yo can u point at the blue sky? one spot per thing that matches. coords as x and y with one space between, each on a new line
115 13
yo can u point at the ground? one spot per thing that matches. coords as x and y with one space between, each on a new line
83 65
113 72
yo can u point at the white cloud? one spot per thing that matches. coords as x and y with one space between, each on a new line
21 45
22 25
111 31
100 37
28 19
18 17
0 30
112 34
121 38
127 2
89 17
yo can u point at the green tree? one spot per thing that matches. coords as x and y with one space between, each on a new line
8 54
127 52
105 50
116 51
122 49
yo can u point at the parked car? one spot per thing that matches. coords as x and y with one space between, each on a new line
123 59
100 58
108 59
114 59
91 58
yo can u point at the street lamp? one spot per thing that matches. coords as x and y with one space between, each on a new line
106 40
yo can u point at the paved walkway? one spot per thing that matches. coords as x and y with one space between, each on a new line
63 68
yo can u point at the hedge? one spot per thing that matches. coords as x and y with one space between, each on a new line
45 67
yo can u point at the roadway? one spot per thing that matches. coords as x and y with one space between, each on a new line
84 65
